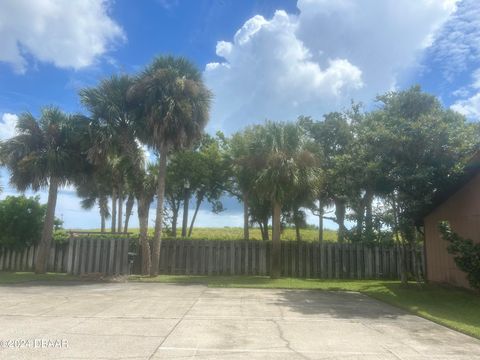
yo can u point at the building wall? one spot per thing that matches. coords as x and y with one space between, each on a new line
462 210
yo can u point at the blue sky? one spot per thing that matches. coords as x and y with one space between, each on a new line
262 59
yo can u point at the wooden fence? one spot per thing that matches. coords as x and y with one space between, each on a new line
298 259
77 256
210 257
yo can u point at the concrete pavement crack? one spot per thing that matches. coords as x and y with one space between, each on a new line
177 323
287 342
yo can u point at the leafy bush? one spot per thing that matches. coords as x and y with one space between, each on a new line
60 236
466 253
21 221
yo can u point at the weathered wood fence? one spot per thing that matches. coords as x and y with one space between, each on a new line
298 259
77 256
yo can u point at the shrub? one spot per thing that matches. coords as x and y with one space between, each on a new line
466 253
60 236
21 221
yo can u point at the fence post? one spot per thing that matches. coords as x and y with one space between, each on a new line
377 263
111 257
231 245
70 255
391 267
337 261
210 258
2 251
307 262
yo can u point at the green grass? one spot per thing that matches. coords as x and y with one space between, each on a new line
455 308
236 233
21 277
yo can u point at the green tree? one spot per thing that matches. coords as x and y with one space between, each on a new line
426 148
50 152
212 177
175 105
333 138
176 191
283 164
184 174
243 174
21 221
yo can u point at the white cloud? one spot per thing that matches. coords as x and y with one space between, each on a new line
458 44
469 107
7 126
469 104
318 60
476 79
68 34
168 4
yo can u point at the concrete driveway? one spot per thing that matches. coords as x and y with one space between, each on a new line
160 321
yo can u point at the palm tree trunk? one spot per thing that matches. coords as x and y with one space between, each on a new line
368 214
246 234
120 211
44 246
320 221
265 230
197 206
176 210
186 201
296 222
275 257
103 205
143 207
360 220
114 210
340 217
128 212
297 232
102 222
159 215
174 222
403 260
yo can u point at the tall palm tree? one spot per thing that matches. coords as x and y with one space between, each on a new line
175 105
114 141
283 165
49 152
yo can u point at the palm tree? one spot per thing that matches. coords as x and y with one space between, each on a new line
175 108
283 165
94 190
144 187
49 153
243 174
128 210
114 142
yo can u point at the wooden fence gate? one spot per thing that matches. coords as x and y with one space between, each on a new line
77 256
